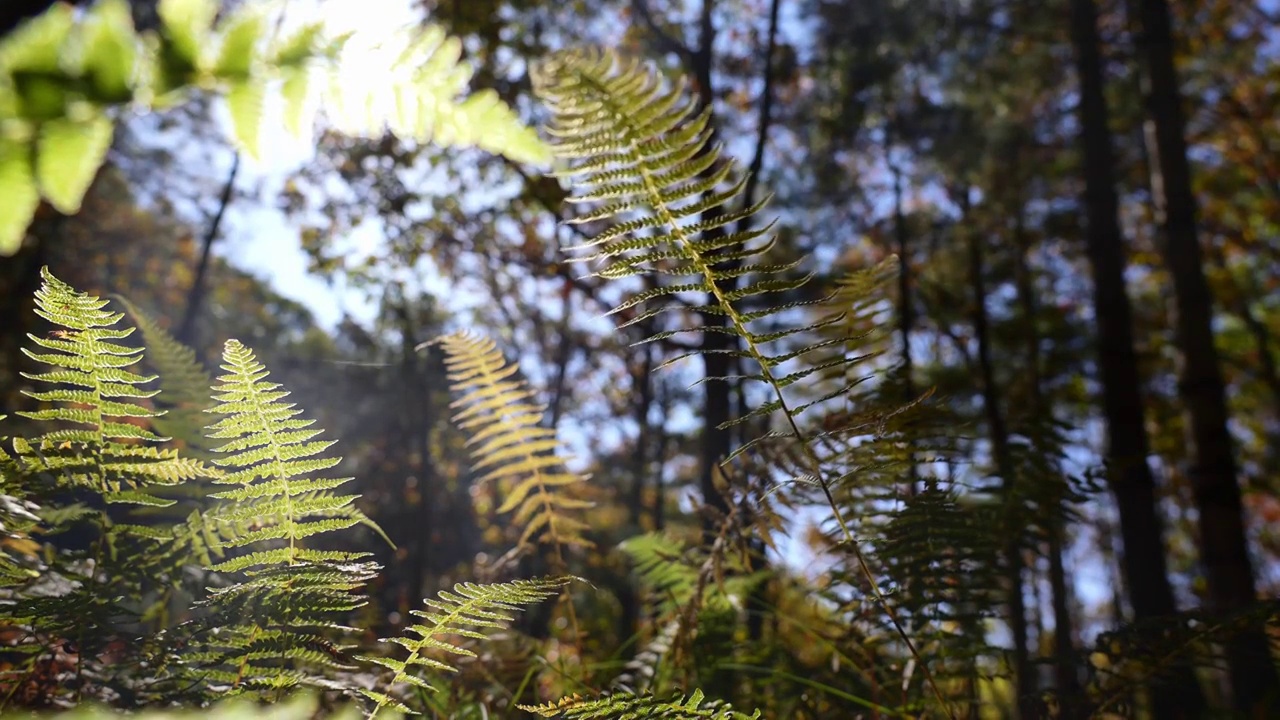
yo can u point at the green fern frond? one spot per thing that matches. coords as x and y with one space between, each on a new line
625 706
662 565
641 154
417 96
282 609
97 402
496 408
64 73
469 611
103 391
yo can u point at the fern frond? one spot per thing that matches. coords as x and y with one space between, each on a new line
496 408
58 130
469 611
281 610
97 401
681 223
418 96
662 565
676 222
628 706
103 393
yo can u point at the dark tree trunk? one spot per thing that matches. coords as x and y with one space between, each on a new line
1064 651
1024 677
1213 473
1177 694
906 313
199 287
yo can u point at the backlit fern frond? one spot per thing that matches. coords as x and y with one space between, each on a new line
278 615
469 611
640 155
99 443
643 154
497 410
625 706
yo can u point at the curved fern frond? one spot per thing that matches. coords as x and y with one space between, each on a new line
97 402
642 154
662 565
469 611
496 408
676 222
637 707
286 603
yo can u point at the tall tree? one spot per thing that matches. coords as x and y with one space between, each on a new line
1213 473
1132 483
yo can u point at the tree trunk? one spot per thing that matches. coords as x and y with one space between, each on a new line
1064 651
1024 677
1213 473
1141 528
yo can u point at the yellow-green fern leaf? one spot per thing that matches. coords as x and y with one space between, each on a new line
640 153
496 409
96 401
184 383
468 611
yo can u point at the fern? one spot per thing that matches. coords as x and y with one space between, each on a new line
641 154
100 443
279 613
498 411
469 611
625 706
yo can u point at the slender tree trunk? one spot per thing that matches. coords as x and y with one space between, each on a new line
906 314
199 287
1141 528
1024 676
1064 651
1213 472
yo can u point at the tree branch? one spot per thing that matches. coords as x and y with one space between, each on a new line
666 43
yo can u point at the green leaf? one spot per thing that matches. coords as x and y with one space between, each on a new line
18 188
110 51
187 25
68 155
245 102
36 45
239 45
300 47
295 93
